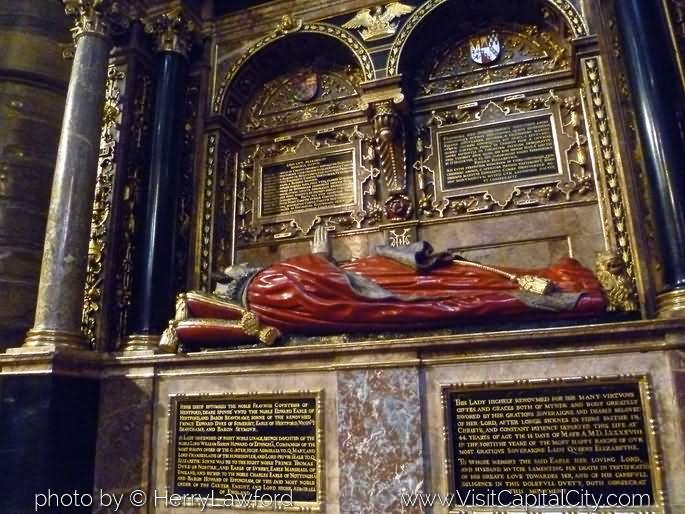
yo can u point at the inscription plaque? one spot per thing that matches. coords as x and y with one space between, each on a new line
534 440
308 184
248 445
504 152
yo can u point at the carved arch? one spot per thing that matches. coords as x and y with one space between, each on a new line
353 44
565 8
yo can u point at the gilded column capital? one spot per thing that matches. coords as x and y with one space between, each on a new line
97 17
173 31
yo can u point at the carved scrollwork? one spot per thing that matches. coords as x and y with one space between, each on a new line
98 17
134 172
173 31
526 50
576 180
278 104
572 18
102 204
367 209
355 46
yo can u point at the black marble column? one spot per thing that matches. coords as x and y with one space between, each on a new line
154 274
660 110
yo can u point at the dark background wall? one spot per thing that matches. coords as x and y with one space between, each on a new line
33 83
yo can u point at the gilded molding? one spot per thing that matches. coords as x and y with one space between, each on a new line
173 31
344 37
102 205
671 304
607 161
207 217
570 14
97 17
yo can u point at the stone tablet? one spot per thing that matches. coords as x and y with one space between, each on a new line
535 439
503 152
241 445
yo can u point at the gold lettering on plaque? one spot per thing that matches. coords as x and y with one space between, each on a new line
546 439
307 184
504 152
238 446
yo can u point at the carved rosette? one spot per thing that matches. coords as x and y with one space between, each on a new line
173 31
98 17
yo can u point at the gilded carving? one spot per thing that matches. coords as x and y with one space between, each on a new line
173 31
570 14
389 133
102 203
206 232
278 103
526 50
618 289
97 17
185 204
607 161
134 172
565 115
355 46
379 22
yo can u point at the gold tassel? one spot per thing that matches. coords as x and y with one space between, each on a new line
182 312
169 341
528 283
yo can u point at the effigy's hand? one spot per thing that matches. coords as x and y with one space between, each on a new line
321 243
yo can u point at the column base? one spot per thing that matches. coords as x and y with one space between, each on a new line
46 339
671 304
141 342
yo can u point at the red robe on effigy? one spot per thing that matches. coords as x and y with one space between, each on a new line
309 294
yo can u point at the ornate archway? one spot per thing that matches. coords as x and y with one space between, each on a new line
565 8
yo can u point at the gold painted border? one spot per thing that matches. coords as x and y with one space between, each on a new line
650 428
317 394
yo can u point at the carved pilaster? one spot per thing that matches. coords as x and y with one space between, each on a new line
173 31
390 149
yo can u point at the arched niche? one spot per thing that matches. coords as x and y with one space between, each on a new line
295 110
437 21
538 101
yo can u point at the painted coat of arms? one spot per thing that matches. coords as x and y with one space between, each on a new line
485 49
305 85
